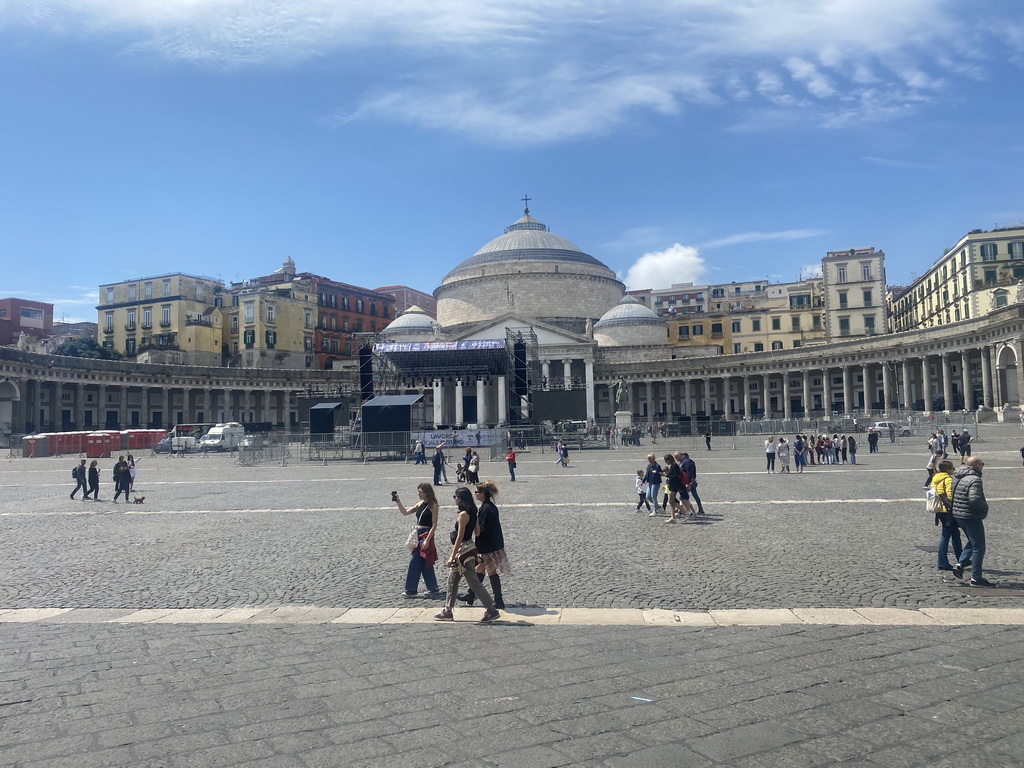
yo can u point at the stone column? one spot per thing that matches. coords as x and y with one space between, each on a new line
438 403
1018 348
787 407
765 397
986 375
926 384
79 407
806 393
688 396
101 406
567 373
847 390
908 395
588 366
167 418
207 404
746 397
886 386
481 403
826 392
123 408
649 385
947 383
458 404
503 400
545 372
730 414
997 382
965 376
869 386
32 416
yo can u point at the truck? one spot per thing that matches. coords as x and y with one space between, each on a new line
222 437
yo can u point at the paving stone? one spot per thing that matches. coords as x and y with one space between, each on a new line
599 616
754 617
896 616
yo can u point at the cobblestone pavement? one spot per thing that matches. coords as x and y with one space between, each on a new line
82 688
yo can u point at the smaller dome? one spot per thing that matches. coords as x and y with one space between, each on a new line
287 267
629 311
414 319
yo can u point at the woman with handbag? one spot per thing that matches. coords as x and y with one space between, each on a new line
942 485
463 560
422 552
490 545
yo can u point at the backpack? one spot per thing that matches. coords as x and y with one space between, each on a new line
74 473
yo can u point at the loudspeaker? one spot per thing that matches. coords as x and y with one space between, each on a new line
519 376
365 373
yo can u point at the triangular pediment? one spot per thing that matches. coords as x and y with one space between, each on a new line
547 335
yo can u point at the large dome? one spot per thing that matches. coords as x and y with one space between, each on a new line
526 240
532 273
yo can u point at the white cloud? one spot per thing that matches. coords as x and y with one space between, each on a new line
763 237
550 70
676 264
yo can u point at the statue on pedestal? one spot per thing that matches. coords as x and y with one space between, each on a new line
621 395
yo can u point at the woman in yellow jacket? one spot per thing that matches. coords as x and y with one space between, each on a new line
942 483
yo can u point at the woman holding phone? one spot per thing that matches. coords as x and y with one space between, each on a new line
424 555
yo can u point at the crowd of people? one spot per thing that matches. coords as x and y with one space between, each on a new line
804 451
679 478
87 479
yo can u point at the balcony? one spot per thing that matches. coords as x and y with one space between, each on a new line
129 326
146 326
199 320
108 329
165 324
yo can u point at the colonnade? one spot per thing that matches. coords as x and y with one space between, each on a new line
966 377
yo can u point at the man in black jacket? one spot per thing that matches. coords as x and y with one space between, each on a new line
970 508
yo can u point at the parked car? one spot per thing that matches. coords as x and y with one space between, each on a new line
883 426
164 446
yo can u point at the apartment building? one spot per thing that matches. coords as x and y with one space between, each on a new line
270 324
406 297
171 318
976 276
854 293
18 316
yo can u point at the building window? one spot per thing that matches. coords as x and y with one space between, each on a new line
359 325
234 300
758 346
865 271
147 290
271 339
308 321
334 300
307 343
373 326
796 343
344 323
110 295
344 302
199 291
249 338
167 288
698 329
359 306
795 323
988 251
1016 250
717 293
716 329
867 298
109 322
249 312
844 326
816 321
147 318
1001 298
776 345
990 276
373 309
132 292
684 332
270 313
842 300
841 274
776 323
735 349
755 325
735 326
869 324
385 311
131 320
234 323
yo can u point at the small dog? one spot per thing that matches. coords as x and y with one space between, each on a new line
139 500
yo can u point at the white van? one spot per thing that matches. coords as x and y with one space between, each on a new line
883 426
222 437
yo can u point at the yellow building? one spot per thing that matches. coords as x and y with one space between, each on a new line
172 318
855 293
271 325
976 276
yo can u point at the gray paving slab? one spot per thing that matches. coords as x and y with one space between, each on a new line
253 616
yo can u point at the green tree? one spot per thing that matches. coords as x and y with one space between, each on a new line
77 347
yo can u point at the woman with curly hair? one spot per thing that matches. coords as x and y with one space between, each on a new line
490 544
463 560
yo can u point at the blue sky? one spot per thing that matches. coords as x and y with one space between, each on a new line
384 141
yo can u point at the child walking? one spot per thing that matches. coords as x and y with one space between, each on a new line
641 490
